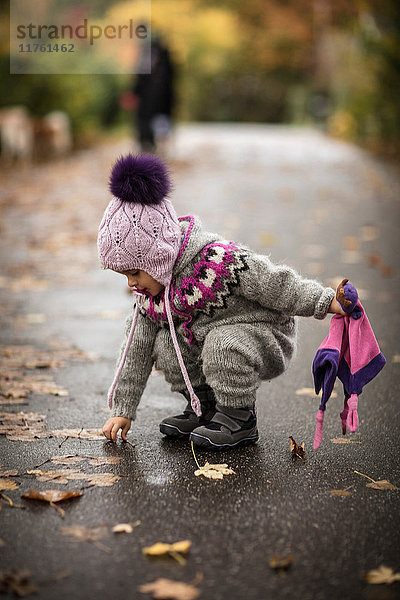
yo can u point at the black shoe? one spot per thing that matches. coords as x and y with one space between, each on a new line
181 426
229 428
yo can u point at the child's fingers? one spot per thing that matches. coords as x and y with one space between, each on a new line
125 430
114 432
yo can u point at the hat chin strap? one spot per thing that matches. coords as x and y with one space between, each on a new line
195 402
123 359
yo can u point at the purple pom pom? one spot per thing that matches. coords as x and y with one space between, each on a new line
143 179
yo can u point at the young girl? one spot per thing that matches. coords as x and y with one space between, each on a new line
212 315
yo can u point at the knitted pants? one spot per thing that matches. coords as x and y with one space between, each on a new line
233 360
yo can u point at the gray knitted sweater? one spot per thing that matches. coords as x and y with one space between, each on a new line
215 283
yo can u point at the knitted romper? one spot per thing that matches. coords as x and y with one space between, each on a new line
234 315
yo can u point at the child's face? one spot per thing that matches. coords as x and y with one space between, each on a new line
140 280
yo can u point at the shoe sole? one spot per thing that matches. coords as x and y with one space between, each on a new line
173 432
205 442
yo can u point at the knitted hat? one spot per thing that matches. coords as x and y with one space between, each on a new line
140 229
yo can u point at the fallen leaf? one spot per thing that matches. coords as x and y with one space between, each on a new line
306 391
8 472
382 574
25 426
88 534
344 440
297 451
17 582
214 471
70 459
98 479
83 434
64 475
383 484
125 527
51 496
8 484
281 564
166 589
60 476
175 550
339 493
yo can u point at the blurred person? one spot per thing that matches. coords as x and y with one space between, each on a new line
215 317
152 97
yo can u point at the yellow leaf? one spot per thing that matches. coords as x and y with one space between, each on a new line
160 548
382 574
214 471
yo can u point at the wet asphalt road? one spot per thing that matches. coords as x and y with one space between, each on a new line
328 209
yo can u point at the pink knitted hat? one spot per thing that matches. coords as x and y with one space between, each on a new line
140 229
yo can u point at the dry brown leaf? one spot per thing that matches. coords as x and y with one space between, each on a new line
83 434
339 493
98 479
166 589
8 484
383 484
296 451
51 495
281 564
214 471
64 475
86 534
89 534
24 426
382 574
8 472
69 459
17 582
60 476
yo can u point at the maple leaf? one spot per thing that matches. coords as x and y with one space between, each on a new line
382 574
297 451
88 534
214 471
211 471
167 589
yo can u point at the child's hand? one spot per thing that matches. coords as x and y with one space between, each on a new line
113 425
336 309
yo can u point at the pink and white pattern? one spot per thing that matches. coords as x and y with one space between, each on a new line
206 290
